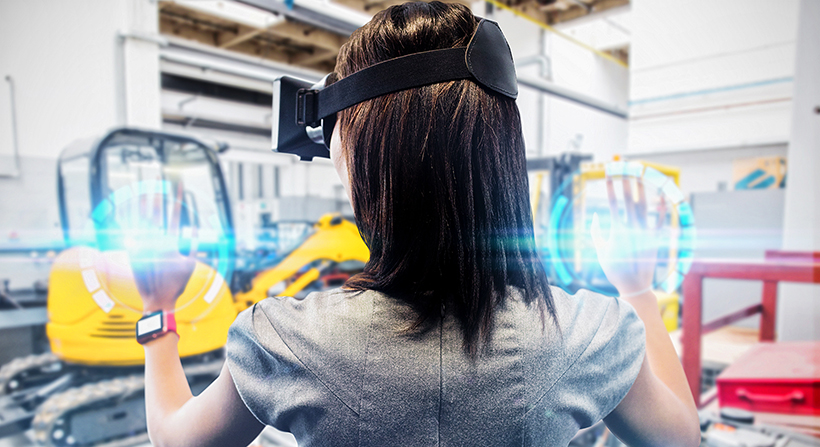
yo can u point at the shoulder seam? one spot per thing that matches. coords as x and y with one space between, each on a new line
364 369
540 398
307 368
233 377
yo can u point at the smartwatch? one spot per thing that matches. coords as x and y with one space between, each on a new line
155 325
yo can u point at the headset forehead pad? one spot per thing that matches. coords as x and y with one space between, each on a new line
490 60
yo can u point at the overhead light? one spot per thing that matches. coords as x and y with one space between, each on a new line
343 13
233 12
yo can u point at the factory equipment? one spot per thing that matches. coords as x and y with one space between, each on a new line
575 188
89 389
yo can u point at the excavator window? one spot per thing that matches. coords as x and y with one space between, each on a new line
103 183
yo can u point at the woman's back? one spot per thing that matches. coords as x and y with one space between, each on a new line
437 179
338 368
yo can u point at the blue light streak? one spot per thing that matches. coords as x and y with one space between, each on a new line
570 248
133 232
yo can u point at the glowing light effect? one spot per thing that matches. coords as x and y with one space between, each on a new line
121 224
569 246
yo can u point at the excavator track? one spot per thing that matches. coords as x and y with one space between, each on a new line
108 413
23 372
92 414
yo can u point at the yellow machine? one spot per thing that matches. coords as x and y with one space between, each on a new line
569 175
80 331
326 259
88 390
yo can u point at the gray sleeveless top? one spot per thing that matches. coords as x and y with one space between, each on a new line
337 369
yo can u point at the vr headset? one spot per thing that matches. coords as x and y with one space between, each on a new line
304 114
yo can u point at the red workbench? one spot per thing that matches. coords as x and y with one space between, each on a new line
803 267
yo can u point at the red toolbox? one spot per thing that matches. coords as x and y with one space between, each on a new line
781 377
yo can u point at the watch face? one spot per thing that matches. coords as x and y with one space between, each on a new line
150 324
155 325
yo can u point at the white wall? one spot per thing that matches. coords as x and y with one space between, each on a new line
716 81
564 125
708 74
72 72
799 307
67 61
708 170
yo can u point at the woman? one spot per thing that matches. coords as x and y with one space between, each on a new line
451 334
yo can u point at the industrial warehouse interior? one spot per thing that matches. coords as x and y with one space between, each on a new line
131 126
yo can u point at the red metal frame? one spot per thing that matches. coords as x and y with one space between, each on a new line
788 266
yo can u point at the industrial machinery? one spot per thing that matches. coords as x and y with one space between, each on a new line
732 427
567 190
89 389
323 256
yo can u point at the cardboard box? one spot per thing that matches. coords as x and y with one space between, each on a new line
759 173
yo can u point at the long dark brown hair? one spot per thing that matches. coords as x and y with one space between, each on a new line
438 180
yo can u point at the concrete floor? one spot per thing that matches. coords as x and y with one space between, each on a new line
15 441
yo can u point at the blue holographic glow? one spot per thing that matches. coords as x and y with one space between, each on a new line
555 216
570 248
686 217
212 237
656 178
671 191
102 211
615 168
687 236
121 195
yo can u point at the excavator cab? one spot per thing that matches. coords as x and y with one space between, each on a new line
88 391
93 302
100 182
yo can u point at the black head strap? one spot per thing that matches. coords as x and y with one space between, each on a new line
487 59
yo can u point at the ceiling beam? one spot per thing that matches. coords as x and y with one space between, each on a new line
177 27
308 35
307 59
266 51
566 10
533 11
269 52
246 32
577 12
243 35
372 6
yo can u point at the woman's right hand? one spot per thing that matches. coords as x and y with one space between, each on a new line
629 254
160 271
659 408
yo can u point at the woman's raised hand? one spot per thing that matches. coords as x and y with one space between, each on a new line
160 271
629 254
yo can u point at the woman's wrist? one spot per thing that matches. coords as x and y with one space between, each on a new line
151 308
168 339
641 300
630 293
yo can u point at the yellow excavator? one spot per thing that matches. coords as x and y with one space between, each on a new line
88 390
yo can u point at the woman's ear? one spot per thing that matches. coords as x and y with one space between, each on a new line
339 159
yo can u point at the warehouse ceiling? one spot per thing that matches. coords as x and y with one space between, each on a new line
309 33
553 12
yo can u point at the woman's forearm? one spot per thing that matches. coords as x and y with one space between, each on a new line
659 349
166 387
215 417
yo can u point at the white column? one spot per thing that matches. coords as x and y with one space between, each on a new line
798 315
140 65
